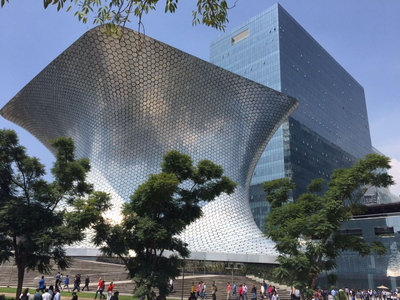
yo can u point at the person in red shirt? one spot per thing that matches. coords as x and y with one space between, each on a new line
100 288
241 292
110 290
198 290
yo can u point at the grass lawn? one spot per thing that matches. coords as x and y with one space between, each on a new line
64 295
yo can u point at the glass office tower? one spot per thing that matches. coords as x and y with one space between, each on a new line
329 129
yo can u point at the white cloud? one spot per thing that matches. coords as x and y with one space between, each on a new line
395 172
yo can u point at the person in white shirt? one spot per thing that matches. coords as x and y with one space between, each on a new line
57 295
46 295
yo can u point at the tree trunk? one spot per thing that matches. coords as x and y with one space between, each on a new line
21 274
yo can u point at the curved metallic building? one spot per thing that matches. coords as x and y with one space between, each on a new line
125 103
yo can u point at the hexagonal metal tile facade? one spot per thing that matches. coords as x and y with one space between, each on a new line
126 103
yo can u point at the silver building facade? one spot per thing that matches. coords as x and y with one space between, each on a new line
126 103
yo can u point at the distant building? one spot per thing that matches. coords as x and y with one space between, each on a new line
329 129
379 223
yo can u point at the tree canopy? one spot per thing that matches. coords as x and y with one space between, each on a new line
116 13
39 218
307 231
158 211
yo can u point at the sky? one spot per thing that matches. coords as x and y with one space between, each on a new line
362 35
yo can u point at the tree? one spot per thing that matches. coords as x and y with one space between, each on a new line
34 222
158 211
306 232
116 13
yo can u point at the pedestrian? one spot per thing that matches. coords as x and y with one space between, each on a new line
262 290
74 296
57 294
57 277
297 294
265 286
275 295
87 281
66 283
51 292
254 292
333 293
77 283
234 291
110 290
46 295
37 295
214 290
60 281
192 288
42 286
171 285
198 290
115 297
25 295
228 291
245 291
241 292
99 287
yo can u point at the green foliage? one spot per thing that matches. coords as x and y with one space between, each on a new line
306 232
114 14
158 211
34 223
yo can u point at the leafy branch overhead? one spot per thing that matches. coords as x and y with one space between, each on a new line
307 231
116 13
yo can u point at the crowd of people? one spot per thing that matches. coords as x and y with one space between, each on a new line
53 292
235 292
351 294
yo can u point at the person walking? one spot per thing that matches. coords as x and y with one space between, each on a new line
110 290
297 294
214 290
241 292
66 283
57 295
245 291
77 283
115 297
57 277
74 296
228 291
60 281
234 291
25 295
100 288
254 292
37 295
275 295
42 284
46 295
87 281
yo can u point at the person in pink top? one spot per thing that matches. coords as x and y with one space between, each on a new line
228 292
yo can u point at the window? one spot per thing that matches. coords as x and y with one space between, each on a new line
237 38
353 231
384 231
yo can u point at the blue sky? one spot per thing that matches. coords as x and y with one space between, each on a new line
362 35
